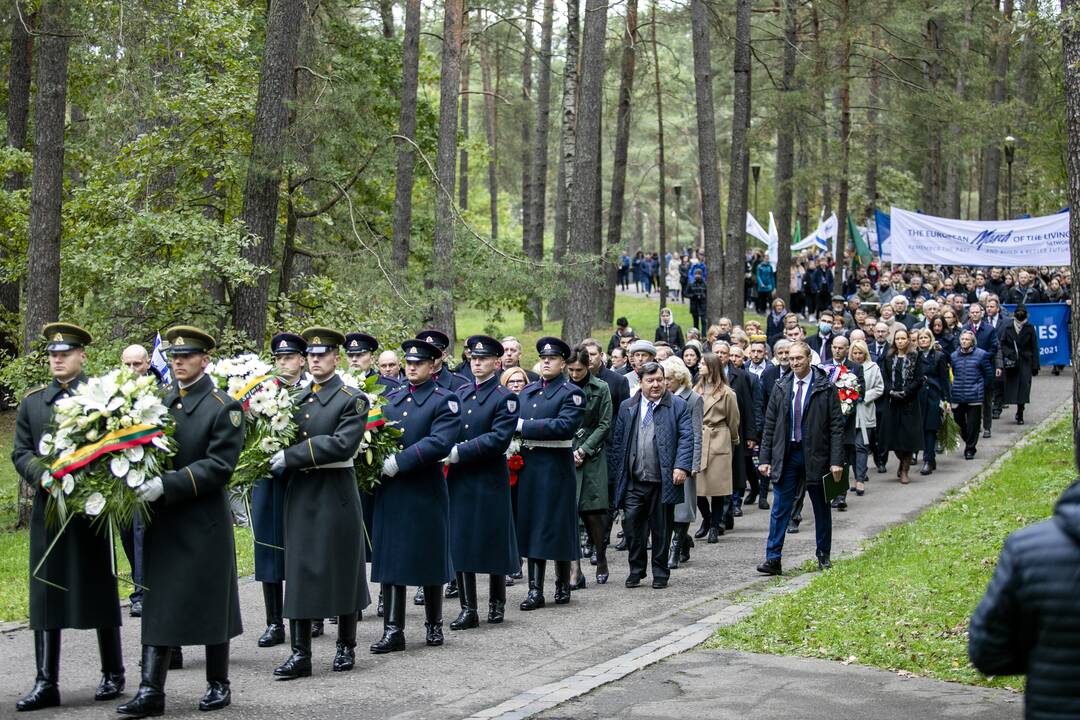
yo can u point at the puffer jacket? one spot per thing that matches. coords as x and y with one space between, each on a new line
973 372
1029 620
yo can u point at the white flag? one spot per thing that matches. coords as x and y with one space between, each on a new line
753 227
159 363
774 241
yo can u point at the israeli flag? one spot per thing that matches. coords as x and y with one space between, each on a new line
159 363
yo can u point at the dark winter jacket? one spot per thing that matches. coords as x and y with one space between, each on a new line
973 372
1027 623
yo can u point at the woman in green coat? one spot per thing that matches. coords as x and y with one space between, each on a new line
590 460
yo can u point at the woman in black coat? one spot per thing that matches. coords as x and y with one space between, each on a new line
935 368
774 322
946 339
669 331
1020 358
902 423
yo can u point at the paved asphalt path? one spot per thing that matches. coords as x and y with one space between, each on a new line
480 668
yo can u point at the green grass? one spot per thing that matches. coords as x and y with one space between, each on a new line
15 543
905 603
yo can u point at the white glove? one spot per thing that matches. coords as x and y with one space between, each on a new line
521 424
389 466
453 458
150 490
277 462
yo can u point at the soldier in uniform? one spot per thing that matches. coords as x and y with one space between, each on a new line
411 530
189 559
482 536
268 505
551 410
360 351
79 562
325 566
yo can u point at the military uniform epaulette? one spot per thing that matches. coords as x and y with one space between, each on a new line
220 396
441 391
34 390
348 390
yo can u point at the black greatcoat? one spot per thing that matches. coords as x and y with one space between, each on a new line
547 483
482 538
80 559
412 509
1024 348
325 565
189 560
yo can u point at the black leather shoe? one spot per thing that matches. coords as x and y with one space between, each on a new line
218 696
1019 421
621 547
466 620
110 687
751 498
496 611
969 454
533 601
146 703
986 433
633 581
925 469
839 503
451 589
770 567
344 658
793 526
824 563
881 468
714 534
136 608
273 635
316 628
729 522
763 503
298 664
418 598
434 634
393 640
379 608
176 659
659 584
673 557
562 593
43 695
737 512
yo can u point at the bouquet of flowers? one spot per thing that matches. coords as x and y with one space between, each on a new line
110 436
847 387
948 435
381 438
268 410
514 461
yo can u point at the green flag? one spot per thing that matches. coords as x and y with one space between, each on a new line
862 250
797 237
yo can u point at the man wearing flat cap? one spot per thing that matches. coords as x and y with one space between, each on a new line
551 411
79 562
482 538
412 513
268 503
360 352
325 563
189 560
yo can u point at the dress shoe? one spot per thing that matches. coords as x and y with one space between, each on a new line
110 687
535 599
273 635
496 611
702 531
515 576
793 526
770 567
714 534
298 664
824 563
751 498
393 640
218 696
580 584
925 468
433 635
969 454
418 598
860 491
881 468
839 503
659 584
621 547
633 581
451 589
112 664
1019 420
176 658
466 620
344 658
763 503
986 433
379 607
317 628
737 512
42 695
673 554
345 648
136 608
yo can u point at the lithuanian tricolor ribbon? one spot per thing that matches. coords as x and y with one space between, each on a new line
246 392
115 441
375 419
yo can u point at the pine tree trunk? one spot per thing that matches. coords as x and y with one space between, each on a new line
567 153
463 153
534 314
442 250
821 71
386 14
785 151
262 189
932 170
1070 47
580 305
708 159
991 172
526 114
953 182
622 146
872 134
845 146
802 199
735 250
403 181
47 176
489 132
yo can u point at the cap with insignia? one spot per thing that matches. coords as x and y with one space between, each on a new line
484 346
185 339
288 344
552 346
322 340
62 337
436 337
418 350
358 342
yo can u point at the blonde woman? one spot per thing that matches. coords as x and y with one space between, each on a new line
678 381
719 436
866 412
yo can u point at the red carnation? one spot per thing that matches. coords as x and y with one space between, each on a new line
515 463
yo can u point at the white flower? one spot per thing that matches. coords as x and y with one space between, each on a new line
68 483
161 443
91 434
135 454
280 423
45 445
236 384
119 466
269 445
349 380
95 504
135 477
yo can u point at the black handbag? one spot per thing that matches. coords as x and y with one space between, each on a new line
1010 362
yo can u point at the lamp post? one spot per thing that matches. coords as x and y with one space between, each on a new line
755 171
1010 155
678 198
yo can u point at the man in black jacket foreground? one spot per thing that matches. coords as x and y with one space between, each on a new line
1028 622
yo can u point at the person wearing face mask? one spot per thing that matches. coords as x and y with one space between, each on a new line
669 331
1019 356
821 343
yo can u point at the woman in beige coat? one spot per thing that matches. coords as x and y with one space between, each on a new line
719 434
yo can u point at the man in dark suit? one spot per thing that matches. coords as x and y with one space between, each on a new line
986 338
773 375
879 345
821 343
801 442
999 320
654 454
619 387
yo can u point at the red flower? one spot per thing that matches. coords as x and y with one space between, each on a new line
515 463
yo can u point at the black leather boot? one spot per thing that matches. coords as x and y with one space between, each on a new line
176 658
298 664
274 599
149 701
433 614
46 690
763 497
317 628
562 582
535 599
595 524
393 638
467 590
345 656
112 664
451 589
496 599
675 551
379 609
218 695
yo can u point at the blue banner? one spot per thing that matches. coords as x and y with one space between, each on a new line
883 224
1051 322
